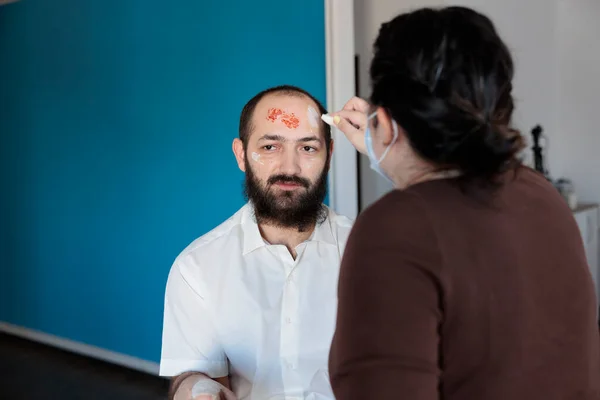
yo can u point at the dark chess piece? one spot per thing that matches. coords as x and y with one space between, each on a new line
538 157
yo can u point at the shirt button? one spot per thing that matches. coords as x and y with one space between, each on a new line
291 365
288 320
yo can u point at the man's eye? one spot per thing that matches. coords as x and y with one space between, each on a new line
309 149
269 147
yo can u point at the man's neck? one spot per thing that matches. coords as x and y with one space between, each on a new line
289 237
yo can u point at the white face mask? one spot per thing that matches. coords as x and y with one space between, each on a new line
375 161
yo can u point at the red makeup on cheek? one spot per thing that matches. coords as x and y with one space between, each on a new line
290 120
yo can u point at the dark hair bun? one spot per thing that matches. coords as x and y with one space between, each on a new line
445 77
486 151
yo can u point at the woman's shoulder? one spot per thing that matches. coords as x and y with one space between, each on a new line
396 227
398 213
413 200
396 202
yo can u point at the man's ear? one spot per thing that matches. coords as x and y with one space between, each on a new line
240 153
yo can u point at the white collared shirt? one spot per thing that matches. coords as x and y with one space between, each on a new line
237 305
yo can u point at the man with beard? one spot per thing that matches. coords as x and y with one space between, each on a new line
250 306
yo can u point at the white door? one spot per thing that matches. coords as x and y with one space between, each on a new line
587 221
591 246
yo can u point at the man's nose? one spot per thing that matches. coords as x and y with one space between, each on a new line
290 163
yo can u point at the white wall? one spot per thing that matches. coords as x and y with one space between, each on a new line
579 94
528 27
369 15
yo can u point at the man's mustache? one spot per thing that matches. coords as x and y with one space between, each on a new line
289 179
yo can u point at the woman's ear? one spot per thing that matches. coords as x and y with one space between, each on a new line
385 126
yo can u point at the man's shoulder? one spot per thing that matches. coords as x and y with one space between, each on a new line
200 261
340 226
223 234
339 221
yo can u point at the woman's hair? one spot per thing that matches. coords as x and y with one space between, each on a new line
446 76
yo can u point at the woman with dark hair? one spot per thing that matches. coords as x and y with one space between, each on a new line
470 280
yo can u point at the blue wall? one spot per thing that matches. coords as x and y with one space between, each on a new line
116 122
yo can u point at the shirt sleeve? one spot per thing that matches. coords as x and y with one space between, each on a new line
189 340
387 333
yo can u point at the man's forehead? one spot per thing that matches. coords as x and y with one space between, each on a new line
287 114
285 100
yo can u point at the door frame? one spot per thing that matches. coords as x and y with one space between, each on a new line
339 59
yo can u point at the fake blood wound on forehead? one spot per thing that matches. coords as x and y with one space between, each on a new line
274 113
289 119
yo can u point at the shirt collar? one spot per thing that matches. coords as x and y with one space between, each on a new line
253 240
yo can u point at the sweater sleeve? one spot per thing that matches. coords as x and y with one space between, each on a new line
389 314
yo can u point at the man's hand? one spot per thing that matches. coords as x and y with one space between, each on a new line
207 389
352 121
201 387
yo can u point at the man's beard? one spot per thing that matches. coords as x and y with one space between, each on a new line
287 209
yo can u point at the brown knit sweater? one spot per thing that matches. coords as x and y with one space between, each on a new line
444 295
